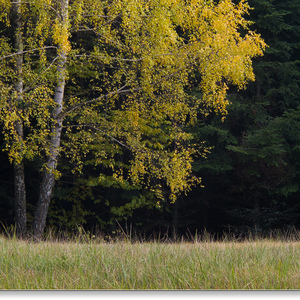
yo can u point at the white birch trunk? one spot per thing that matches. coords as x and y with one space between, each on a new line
48 179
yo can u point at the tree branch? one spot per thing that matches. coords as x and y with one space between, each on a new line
23 52
78 105
111 137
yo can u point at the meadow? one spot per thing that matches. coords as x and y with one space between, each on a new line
202 265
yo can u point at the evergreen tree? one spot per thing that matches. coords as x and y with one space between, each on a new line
251 159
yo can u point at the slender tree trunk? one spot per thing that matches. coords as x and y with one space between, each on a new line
204 212
19 176
175 218
48 179
256 214
20 200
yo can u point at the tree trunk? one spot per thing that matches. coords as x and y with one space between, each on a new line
48 179
175 218
20 200
256 214
19 176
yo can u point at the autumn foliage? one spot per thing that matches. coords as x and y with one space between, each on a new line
110 83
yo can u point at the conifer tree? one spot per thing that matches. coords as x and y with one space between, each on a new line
251 151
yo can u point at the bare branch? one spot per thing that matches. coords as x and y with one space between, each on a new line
31 50
95 32
99 130
119 91
113 58
99 16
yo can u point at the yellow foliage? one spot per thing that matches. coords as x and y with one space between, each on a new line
5 6
60 36
211 44
144 56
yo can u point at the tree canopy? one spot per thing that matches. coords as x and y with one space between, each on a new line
117 86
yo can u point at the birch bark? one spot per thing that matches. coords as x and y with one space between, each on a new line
48 179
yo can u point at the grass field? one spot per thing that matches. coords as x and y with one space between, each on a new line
263 264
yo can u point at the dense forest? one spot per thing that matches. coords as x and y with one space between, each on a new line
146 114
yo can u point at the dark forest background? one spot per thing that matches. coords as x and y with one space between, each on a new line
251 176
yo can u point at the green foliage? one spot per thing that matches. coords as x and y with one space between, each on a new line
68 208
251 175
278 73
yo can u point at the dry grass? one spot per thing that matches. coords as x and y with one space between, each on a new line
263 264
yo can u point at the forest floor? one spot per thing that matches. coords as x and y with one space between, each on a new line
245 265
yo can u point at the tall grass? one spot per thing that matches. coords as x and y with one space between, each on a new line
204 264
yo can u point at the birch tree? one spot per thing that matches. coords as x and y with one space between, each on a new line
102 76
27 107
60 36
